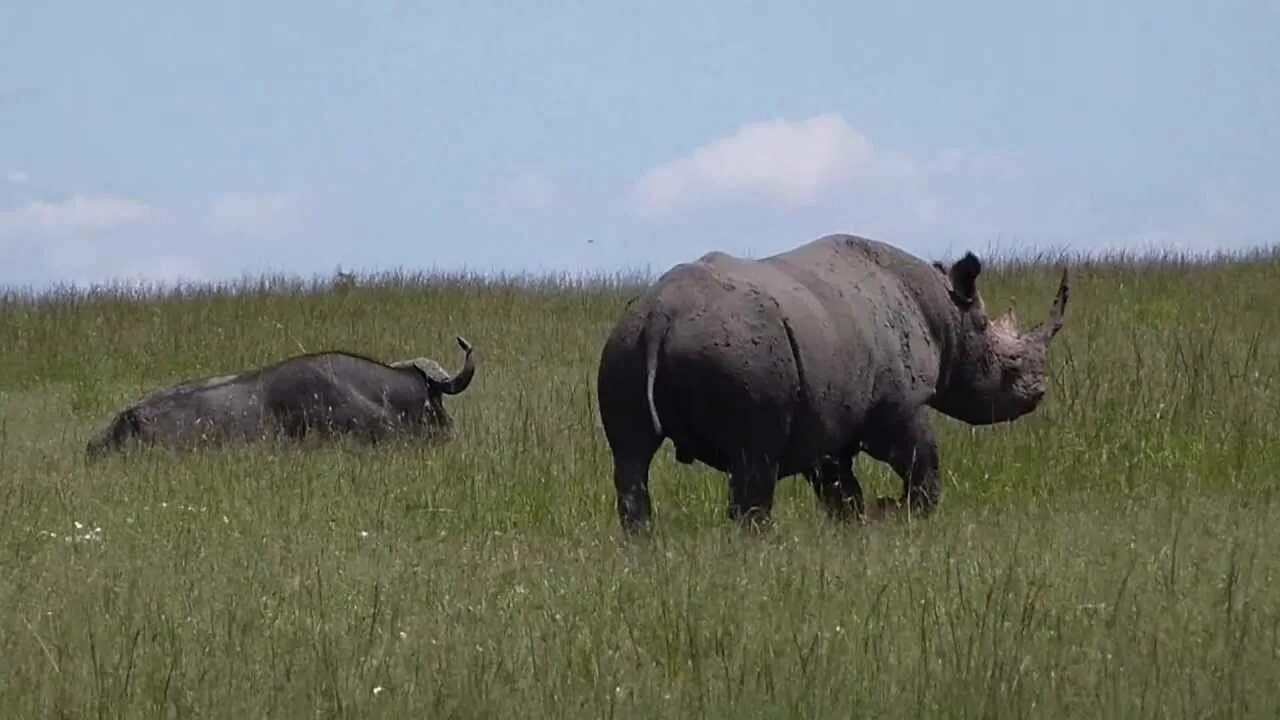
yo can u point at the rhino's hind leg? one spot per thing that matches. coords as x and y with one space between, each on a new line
631 462
837 488
751 486
633 443
909 448
628 420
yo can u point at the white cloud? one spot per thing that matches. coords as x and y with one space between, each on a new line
531 191
76 215
791 164
15 177
262 216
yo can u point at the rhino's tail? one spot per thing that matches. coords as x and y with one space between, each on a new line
656 333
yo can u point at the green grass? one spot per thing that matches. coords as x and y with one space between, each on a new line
1113 555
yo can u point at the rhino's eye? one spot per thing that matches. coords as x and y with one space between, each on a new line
1010 373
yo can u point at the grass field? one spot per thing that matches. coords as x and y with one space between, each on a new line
1114 555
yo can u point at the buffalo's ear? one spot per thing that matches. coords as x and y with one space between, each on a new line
964 278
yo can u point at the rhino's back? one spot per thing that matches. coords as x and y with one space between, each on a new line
860 338
721 311
859 268
846 299
874 292
779 333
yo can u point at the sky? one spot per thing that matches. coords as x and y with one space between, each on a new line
184 141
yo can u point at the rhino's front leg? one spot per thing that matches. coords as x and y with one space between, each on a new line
909 448
836 487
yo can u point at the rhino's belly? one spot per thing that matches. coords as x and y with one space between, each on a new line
835 364
827 422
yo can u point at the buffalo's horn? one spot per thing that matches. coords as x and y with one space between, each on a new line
459 382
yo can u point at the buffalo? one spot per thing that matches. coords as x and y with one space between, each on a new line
798 362
328 394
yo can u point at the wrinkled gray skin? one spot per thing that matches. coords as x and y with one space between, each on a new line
798 362
326 394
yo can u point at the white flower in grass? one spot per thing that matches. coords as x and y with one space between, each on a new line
363 533
82 533
377 690
94 535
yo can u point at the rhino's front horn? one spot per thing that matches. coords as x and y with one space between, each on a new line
1045 331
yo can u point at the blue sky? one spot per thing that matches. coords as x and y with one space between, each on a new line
210 140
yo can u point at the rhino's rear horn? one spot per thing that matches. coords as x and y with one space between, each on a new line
1045 331
460 381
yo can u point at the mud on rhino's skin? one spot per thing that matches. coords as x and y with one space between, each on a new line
326 394
798 362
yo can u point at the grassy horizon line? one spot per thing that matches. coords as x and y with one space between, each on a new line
993 257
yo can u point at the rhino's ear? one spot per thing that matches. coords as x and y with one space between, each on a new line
964 279
940 267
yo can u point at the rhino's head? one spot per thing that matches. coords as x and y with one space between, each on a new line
996 372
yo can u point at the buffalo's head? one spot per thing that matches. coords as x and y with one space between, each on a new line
996 372
440 382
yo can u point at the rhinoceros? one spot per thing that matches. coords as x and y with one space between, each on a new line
328 394
797 362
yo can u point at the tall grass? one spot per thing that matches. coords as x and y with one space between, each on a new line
1112 555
